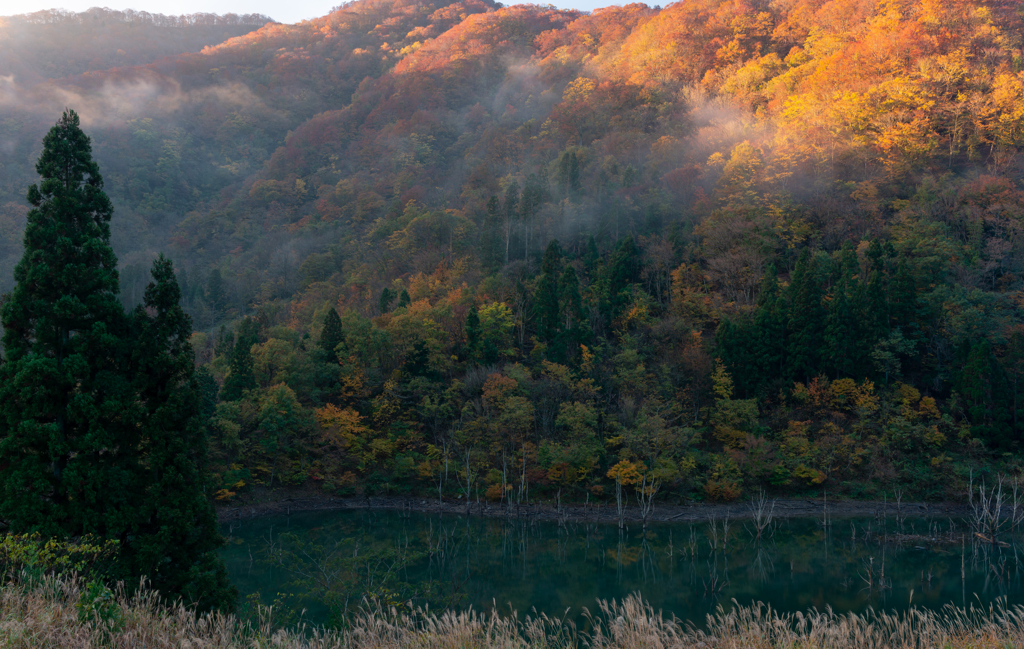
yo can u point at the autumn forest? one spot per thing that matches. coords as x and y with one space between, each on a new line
520 253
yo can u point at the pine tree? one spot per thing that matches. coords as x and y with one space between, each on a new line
491 235
533 198
769 335
806 319
473 333
215 295
403 299
547 294
574 184
734 342
332 335
575 328
225 342
240 368
591 256
387 296
174 539
982 384
623 270
842 320
65 453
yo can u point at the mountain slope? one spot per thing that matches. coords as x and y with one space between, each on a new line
772 243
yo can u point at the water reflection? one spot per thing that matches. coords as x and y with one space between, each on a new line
684 569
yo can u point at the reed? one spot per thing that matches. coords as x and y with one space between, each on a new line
58 611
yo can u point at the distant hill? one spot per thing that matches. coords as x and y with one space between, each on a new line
54 44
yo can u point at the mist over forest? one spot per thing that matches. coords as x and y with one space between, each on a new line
515 252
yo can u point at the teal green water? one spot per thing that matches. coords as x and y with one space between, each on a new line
540 565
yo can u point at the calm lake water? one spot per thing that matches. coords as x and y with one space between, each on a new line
676 567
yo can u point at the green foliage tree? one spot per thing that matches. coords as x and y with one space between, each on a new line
806 319
387 296
546 297
240 375
623 271
332 335
844 315
174 537
215 295
64 445
473 333
403 299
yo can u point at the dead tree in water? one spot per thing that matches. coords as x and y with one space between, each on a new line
987 510
762 512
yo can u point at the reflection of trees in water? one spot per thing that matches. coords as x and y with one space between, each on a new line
717 579
763 565
473 560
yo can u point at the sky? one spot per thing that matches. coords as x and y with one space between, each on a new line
285 11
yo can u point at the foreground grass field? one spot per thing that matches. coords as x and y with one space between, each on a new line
62 612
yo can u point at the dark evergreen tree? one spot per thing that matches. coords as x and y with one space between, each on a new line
492 236
569 175
209 393
843 318
546 298
472 333
905 313
876 310
984 390
387 296
768 338
591 256
806 320
403 299
735 343
225 341
529 206
574 324
903 301
173 538
66 453
623 271
215 295
240 375
573 181
332 335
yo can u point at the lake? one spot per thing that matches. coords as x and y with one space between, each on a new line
685 570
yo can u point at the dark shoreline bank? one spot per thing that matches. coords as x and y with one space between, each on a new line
273 502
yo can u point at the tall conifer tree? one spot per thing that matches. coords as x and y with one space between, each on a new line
546 297
241 376
806 319
332 335
769 329
64 446
174 538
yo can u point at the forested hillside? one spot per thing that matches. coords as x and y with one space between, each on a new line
520 252
56 43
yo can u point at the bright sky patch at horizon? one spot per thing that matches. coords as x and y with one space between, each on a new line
285 12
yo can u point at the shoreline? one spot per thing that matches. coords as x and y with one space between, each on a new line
284 502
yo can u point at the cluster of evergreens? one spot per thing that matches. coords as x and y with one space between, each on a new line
101 416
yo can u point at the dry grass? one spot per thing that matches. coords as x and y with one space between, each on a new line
46 615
